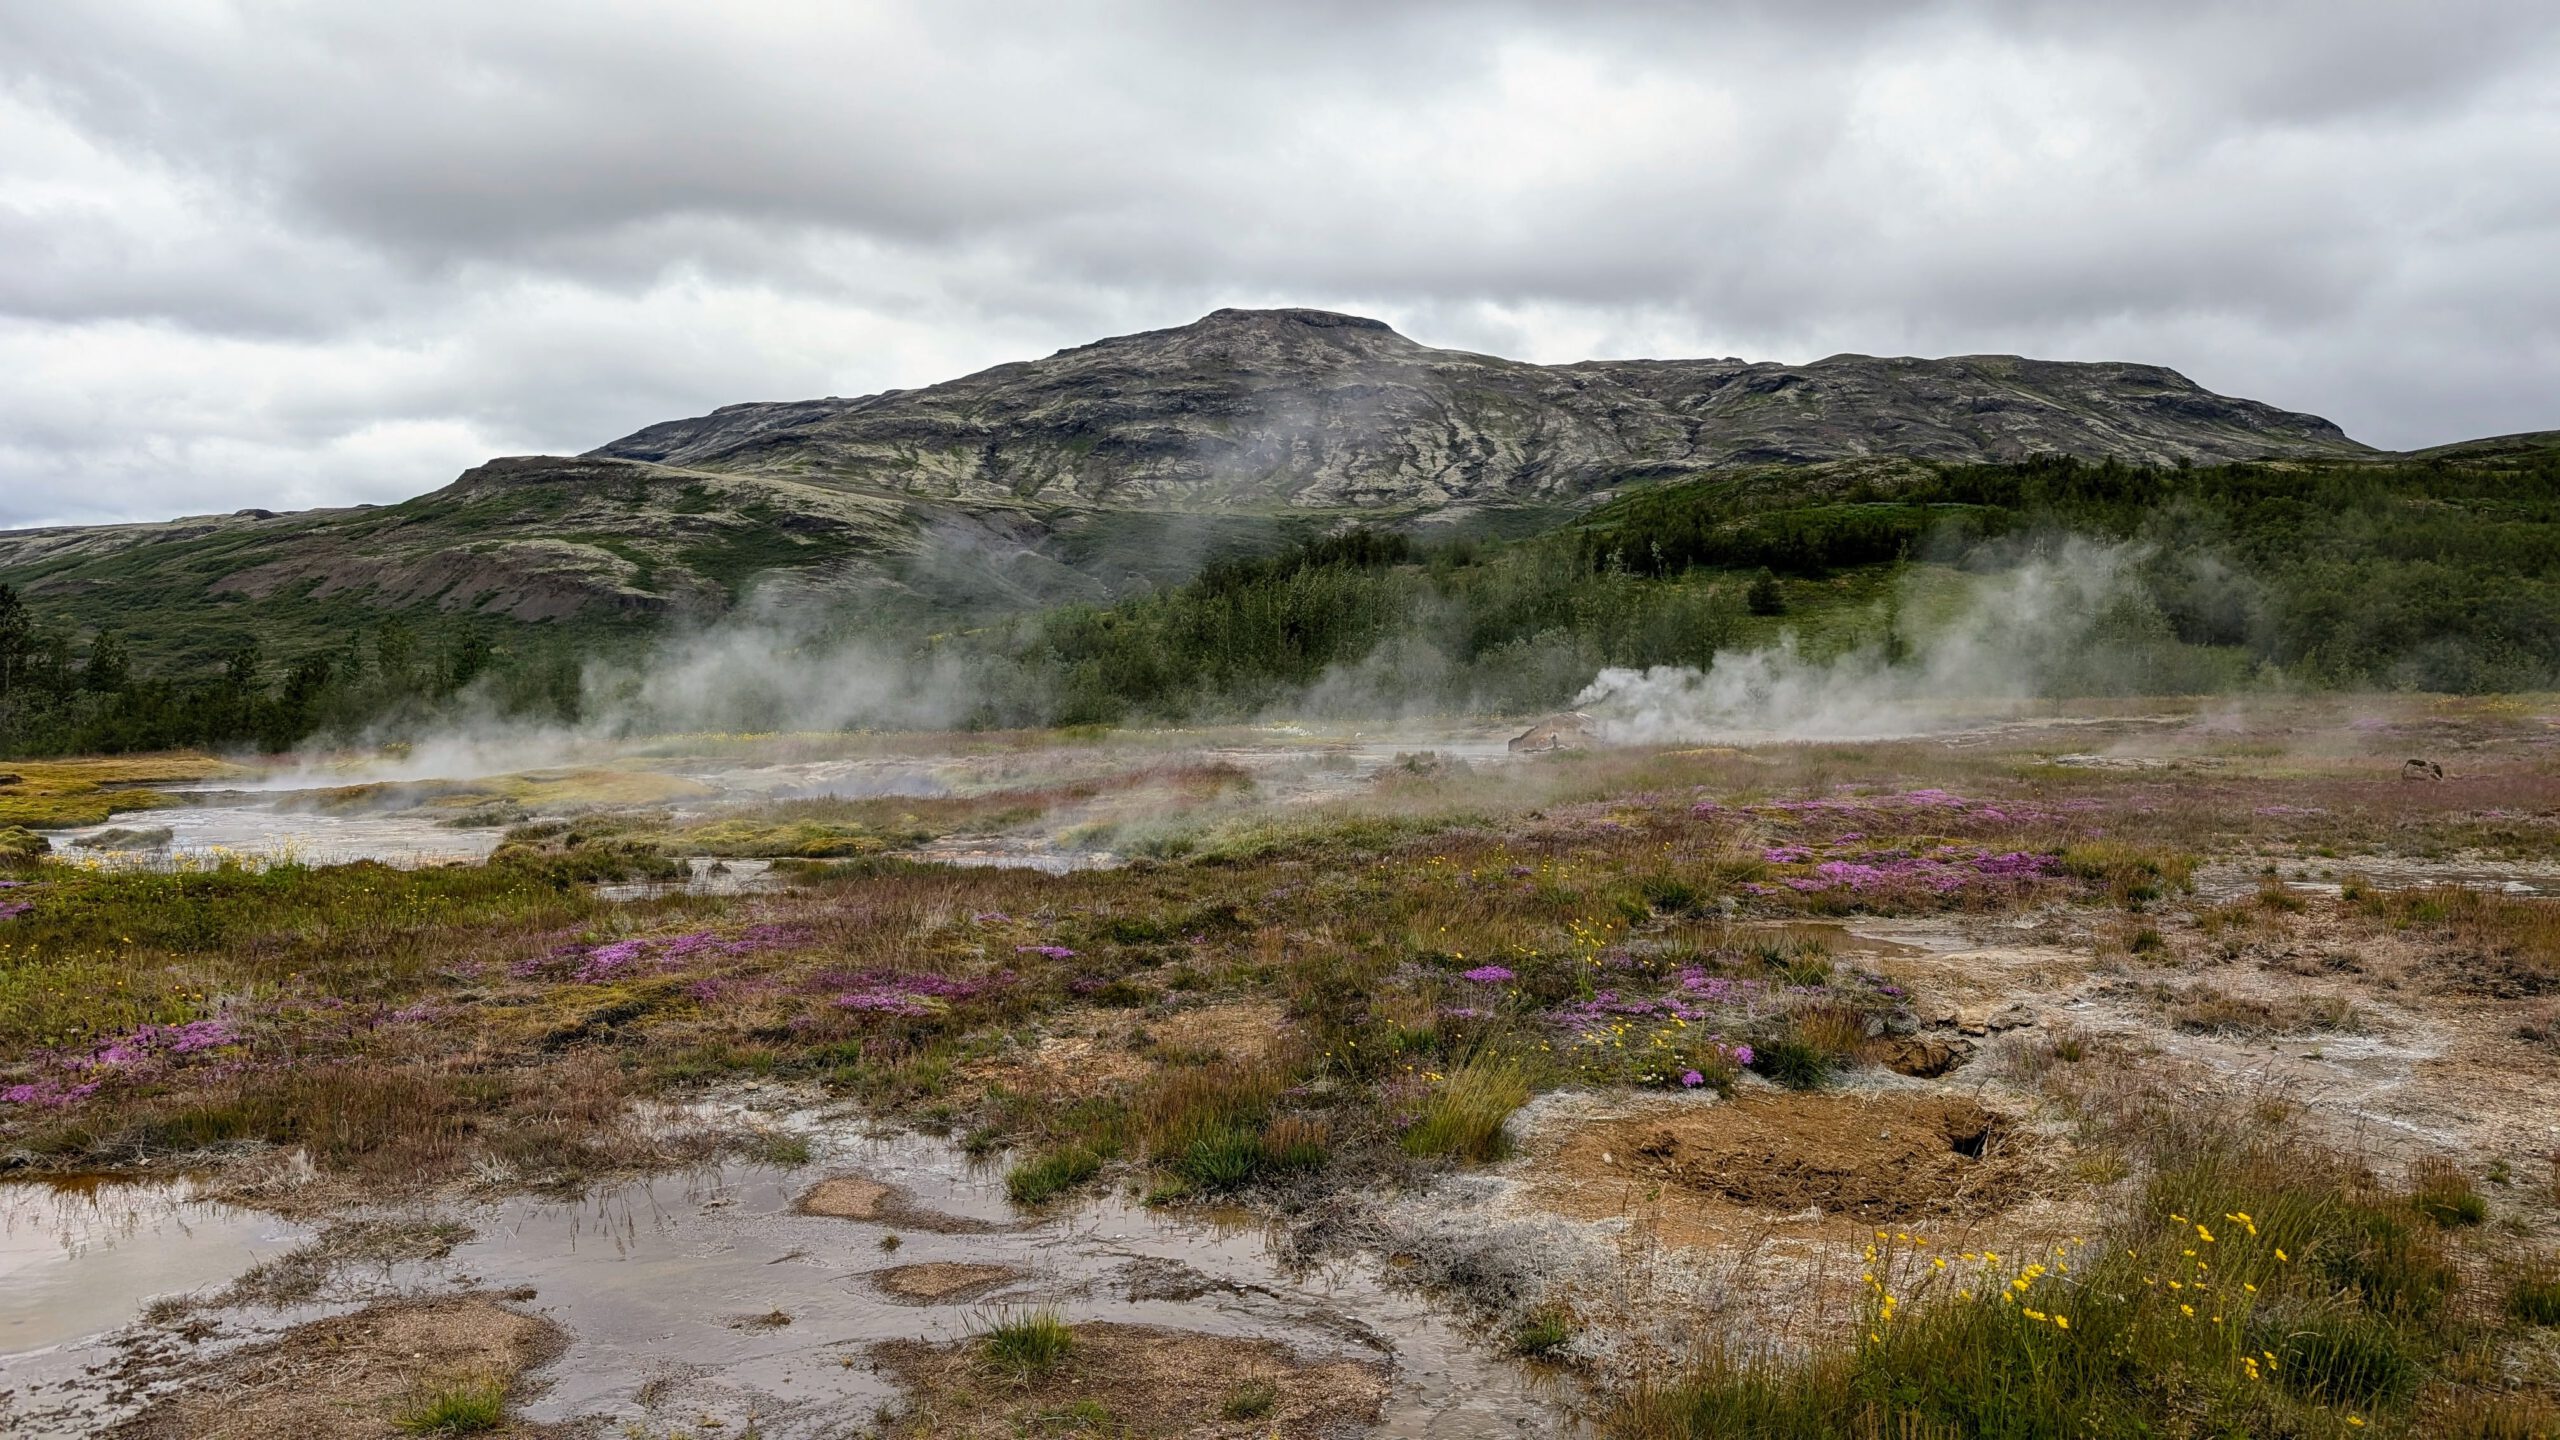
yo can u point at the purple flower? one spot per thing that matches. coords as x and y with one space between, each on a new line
16 908
1489 975
1692 1080
48 1093
606 961
884 1003
1742 1056
2015 862
1046 952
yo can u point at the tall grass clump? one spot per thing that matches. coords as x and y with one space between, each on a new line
1464 1115
2133 874
1029 1344
469 1405
1214 1128
2533 1296
1050 1174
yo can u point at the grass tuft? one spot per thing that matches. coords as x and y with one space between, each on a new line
1029 1344
1544 1332
2533 1296
1464 1117
1250 1401
2445 1195
468 1405
1052 1174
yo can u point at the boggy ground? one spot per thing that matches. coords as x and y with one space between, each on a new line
2124 1076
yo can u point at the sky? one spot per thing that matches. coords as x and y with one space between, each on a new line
294 254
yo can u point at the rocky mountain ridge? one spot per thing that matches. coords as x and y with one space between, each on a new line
1309 409
1099 469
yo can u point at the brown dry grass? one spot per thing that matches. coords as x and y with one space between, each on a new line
346 1378
1138 1380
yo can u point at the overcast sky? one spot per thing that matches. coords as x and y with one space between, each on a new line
296 254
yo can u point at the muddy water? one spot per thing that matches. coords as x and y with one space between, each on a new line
654 1282
78 1259
260 832
2228 879
260 819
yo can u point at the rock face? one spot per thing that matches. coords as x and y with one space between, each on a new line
1098 470
1313 409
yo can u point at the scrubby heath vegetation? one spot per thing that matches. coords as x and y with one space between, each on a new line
2230 1152
2436 572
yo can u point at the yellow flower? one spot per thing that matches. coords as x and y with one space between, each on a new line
2062 1322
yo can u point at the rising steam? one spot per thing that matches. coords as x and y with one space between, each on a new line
2060 619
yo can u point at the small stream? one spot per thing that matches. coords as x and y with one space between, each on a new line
651 1280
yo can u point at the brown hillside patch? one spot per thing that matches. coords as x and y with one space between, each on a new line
1147 1381
1241 1030
348 1378
1060 1067
942 1281
1869 1158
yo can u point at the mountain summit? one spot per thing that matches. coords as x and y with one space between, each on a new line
1097 470
1307 408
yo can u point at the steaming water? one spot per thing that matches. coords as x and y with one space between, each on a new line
203 834
649 1279
268 818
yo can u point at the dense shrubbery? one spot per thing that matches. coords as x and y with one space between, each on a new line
58 698
2438 574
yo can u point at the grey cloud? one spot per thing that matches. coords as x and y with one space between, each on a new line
308 229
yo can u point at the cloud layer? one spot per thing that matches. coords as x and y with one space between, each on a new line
290 254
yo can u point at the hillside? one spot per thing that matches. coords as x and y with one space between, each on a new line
1099 471
1304 408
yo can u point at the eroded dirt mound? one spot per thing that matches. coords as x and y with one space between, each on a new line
353 1376
850 1197
1139 1380
1877 1158
859 1197
942 1280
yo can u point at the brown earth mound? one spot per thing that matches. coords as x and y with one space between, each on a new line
859 1197
849 1197
942 1281
1137 1380
1878 1158
351 1378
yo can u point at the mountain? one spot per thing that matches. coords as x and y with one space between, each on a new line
1303 408
1098 469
